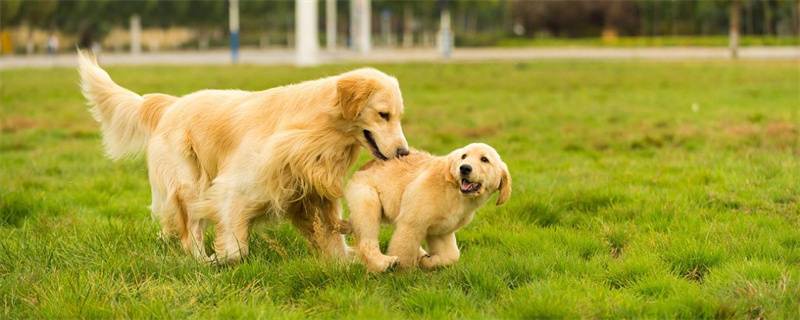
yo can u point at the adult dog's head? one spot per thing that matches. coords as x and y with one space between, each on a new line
478 170
372 102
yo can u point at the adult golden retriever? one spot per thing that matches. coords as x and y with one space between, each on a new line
229 156
426 198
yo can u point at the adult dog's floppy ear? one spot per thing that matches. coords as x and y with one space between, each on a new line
353 92
505 186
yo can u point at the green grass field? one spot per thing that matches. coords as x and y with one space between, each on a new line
641 189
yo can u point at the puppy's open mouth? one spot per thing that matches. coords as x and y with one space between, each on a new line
373 147
468 186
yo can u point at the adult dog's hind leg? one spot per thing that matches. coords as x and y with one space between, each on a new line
174 178
365 219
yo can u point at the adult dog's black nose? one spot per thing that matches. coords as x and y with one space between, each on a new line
402 152
465 169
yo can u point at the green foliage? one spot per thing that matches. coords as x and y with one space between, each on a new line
475 23
641 190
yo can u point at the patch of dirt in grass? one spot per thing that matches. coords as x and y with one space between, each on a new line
740 129
17 123
762 134
782 134
480 132
640 137
662 134
776 134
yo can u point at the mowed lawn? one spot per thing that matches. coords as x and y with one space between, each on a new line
641 189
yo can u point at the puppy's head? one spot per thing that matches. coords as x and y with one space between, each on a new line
371 101
478 170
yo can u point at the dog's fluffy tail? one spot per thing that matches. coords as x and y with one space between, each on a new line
126 118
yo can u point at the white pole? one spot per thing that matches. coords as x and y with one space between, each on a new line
365 26
445 35
353 31
330 24
233 25
306 45
136 34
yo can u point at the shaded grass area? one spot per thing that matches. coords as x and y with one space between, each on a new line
641 189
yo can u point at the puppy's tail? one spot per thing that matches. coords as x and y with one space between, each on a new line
126 118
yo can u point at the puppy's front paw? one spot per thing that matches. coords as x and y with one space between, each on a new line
382 263
428 262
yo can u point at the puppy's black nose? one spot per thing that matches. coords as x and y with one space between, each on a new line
402 152
465 169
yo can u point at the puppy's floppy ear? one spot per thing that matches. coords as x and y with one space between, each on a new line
505 186
352 93
452 158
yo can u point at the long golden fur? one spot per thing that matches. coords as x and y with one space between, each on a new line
427 198
229 156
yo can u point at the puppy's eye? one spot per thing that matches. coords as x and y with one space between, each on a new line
463 156
484 159
384 115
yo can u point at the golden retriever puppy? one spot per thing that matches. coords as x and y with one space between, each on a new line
230 156
427 198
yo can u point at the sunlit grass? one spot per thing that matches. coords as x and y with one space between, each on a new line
641 189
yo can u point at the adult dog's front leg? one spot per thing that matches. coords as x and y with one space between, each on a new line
405 244
443 251
319 223
331 241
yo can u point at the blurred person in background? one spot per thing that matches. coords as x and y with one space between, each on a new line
52 44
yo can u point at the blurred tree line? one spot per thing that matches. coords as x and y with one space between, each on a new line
475 22
649 17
